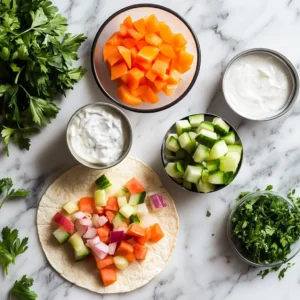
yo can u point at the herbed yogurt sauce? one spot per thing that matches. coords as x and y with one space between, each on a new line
97 135
257 85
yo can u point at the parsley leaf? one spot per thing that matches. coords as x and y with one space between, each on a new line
6 185
208 214
10 247
21 289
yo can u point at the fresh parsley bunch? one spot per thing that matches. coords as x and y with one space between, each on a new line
21 289
36 55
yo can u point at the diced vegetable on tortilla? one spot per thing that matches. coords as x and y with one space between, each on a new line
71 207
100 198
124 248
140 251
134 187
112 204
63 222
105 262
61 235
116 236
86 204
102 182
156 233
80 249
122 201
135 230
157 202
117 220
108 275
144 239
142 209
112 248
110 216
130 257
127 210
134 219
103 234
120 262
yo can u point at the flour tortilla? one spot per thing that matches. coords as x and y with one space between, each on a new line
78 182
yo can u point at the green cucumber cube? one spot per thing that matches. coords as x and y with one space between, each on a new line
103 182
172 143
193 174
205 187
80 249
201 154
212 165
218 150
217 177
126 210
100 198
171 169
229 138
61 235
122 201
180 154
230 162
207 138
120 262
205 125
186 142
195 120
118 219
220 126
187 185
204 176
183 126
235 148
142 209
71 207
137 198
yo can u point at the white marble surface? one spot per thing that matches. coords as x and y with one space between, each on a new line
202 265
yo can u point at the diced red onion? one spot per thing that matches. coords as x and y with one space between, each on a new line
86 222
98 255
112 248
95 220
79 215
157 202
116 236
102 220
100 247
93 241
81 229
90 233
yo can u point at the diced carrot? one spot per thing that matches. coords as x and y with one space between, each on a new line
141 44
107 227
139 25
123 30
133 78
131 241
128 22
134 34
109 50
112 204
143 81
153 39
179 40
167 50
159 68
151 75
144 239
110 215
144 65
99 210
126 54
118 70
152 24
103 235
148 53
135 230
149 96
134 52
125 95
105 262
165 32
163 58
124 248
108 275
134 186
153 87
114 58
140 251
86 204
124 78
129 42
185 61
174 76
156 233
139 91
130 257
159 84
114 39
169 89
165 77
123 225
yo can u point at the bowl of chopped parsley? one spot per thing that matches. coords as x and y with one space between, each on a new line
264 229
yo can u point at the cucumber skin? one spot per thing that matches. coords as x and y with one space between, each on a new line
205 141
229 138
102 182
206 125
172 144
195 120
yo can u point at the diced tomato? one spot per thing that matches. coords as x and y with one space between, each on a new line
63 222
108 275
105 262
136 230
134 187
86 204
103 234
112 204
110 215
156 233
130 257
140 251
144 239
124 248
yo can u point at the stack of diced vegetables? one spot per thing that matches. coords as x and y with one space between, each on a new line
114 229
146 57
203 155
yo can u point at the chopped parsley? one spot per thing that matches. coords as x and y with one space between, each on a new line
208 214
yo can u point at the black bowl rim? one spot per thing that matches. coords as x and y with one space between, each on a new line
184 118
196 71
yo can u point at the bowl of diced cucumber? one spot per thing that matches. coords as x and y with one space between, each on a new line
202 153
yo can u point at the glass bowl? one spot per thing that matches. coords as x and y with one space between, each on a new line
172 129
176 23
234 244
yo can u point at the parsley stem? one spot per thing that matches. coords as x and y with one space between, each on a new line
3 201
23 32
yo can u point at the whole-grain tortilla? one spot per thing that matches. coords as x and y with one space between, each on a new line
78 182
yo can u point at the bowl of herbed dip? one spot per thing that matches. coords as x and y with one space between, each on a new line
99 135
264 229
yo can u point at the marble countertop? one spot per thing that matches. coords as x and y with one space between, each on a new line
202 265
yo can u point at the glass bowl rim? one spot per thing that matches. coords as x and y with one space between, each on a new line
198 50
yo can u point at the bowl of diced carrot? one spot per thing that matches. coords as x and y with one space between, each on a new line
145 58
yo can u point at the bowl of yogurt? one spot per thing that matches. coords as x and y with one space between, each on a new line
99 135
260 84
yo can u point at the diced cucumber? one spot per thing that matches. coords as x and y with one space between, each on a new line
186 142
183 126
103 182
134 219
120 262
205 187
81 251
170 155
126 210
172 143
229 138
122 201
178 180
217 177
218 150
142 209
61 235
206 125
193 135
193 173
71 207
220 126
204 176
100 198
212 165
137 198
180 154
230 162
201 153
186 184
235 148
195 120
172 170
121 193
206 138
118 219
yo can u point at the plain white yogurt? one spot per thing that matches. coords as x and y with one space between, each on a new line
97 136
257 85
